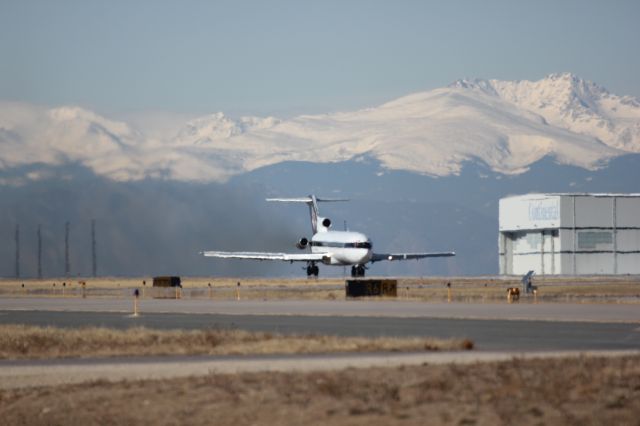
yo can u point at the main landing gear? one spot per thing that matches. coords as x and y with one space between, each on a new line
357 271
312 270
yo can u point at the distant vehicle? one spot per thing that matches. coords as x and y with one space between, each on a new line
340 248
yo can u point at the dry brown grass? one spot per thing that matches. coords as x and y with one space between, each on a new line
606 289
20 341
580 391
221 288
187 282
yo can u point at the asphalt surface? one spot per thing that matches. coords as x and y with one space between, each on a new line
20 374
572 312
488 335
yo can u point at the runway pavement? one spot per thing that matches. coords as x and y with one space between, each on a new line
588 312
492 326
19 374
488 334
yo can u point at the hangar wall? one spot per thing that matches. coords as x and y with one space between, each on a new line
570 234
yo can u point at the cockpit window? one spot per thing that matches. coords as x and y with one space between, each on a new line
359 244
364 244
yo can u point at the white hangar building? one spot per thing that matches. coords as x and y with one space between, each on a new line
570 234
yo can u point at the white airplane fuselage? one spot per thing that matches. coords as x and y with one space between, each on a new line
344 247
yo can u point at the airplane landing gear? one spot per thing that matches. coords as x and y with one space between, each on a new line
312 270
357 271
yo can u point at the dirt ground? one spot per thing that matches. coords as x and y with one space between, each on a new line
576 391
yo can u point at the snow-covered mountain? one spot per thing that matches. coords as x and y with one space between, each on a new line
58 136
217 126
569 102
505 125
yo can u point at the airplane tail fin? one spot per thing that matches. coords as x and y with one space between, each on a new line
312 201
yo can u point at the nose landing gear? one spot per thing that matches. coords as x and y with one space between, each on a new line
312 269
357 271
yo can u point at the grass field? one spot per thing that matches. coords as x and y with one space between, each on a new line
580 391
606 289
27 342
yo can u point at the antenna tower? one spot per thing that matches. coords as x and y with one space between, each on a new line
39 253
17 237
67 265
94 260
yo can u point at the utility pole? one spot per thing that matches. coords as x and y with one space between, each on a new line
17 236
67 265
39 253
94 264
344 268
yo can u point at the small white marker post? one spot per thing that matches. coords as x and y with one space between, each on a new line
136 294
238 291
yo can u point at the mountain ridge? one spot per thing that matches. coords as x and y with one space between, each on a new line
570 102
507 125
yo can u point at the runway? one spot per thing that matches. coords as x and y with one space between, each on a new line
381 319
20 374
573 312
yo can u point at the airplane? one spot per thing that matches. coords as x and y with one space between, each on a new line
329 247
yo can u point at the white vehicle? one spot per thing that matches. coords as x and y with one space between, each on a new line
342 248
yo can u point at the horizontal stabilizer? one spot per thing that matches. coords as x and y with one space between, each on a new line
307 200
312 201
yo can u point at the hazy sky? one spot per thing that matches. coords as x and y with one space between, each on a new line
286 57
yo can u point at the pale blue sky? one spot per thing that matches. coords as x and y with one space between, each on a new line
286 57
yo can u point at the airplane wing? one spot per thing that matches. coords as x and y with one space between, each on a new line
407 256
287 257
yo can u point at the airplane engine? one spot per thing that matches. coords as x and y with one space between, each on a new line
303 243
